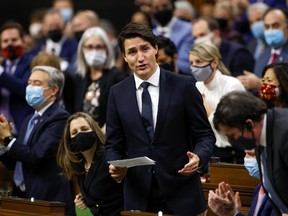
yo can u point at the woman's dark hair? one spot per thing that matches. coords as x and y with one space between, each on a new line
281 73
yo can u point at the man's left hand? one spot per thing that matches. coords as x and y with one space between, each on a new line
191 167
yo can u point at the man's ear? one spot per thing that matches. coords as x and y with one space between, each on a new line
55 90
249 124
124 57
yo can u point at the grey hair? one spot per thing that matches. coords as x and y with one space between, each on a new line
102 35
56 78
260 6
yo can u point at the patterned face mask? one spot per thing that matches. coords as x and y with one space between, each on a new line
268 92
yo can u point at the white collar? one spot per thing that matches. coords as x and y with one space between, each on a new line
263 132
153 80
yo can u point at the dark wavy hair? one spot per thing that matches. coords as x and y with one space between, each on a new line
236 107
281 73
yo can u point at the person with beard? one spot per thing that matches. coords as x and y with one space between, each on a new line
55 41
81 154
14 73
177 30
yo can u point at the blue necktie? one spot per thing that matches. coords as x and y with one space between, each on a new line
147 117
18 173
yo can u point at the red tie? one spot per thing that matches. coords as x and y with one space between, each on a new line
261 193
273 58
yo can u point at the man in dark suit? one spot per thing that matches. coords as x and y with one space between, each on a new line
181 144
247 123
14 73
56 42
276 34
236 57
33 153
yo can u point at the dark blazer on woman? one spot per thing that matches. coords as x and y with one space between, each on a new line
103 195
108 79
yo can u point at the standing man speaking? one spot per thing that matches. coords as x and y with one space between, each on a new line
159 114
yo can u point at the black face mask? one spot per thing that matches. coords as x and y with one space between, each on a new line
163 16
55 35
243 143
78 35
223 23
83 141
168 66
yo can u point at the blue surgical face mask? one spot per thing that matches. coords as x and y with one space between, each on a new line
201 73
274 37
34 95
257 29
66 13
252 167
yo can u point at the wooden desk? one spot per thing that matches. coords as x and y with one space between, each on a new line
133 213
24 207
238 178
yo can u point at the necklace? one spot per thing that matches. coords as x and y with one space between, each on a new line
87 167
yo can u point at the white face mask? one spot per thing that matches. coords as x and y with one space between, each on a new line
205 39
201 73
34 29
95 58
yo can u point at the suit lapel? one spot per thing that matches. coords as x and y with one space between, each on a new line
41 121
165 90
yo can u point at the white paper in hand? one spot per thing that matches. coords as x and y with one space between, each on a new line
139 161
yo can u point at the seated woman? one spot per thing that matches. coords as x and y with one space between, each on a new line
274 85
213 82
81 154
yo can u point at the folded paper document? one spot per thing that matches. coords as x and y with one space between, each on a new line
139 161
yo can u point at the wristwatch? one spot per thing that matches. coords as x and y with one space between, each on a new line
7 140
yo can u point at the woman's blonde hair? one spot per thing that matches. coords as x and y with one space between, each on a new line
209 52
70 162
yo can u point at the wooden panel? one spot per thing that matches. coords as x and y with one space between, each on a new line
18 206
6 178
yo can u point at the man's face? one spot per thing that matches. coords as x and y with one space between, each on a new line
80 23
163 58
52 22
255 16
11 37
141 57
200 29
159 5
275 20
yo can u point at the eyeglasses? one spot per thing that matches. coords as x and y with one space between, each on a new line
96 47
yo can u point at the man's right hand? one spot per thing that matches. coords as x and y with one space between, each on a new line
118 173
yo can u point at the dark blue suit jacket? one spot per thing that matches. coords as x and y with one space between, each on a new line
265 208
236 57
41 174
16 84
181 35
277 153
265 56
181 126
101 192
